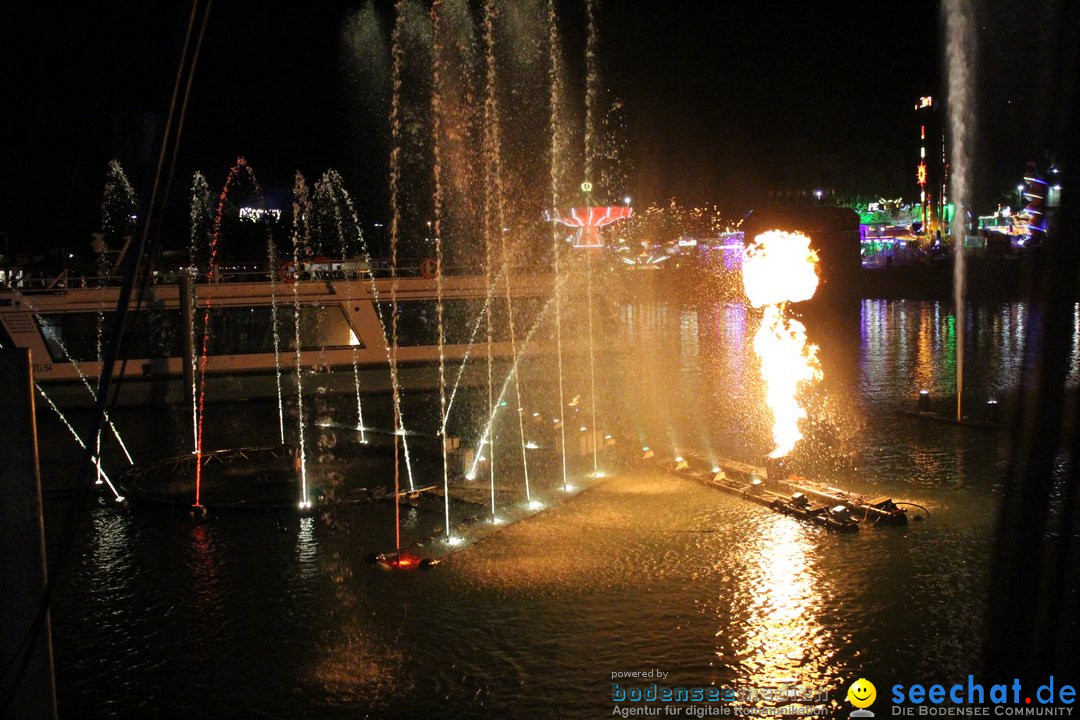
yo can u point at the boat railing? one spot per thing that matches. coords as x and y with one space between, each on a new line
26 282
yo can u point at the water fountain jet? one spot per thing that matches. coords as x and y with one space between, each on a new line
959 51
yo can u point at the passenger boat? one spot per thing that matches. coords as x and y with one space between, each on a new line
344 318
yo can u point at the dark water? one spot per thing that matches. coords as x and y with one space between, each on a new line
273 615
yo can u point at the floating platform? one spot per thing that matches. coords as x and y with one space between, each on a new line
835 509
978 423
796 505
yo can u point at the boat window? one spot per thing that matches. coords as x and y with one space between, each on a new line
246 330
462 320
320 327
233 331
78 336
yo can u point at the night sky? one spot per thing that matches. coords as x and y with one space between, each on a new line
724 101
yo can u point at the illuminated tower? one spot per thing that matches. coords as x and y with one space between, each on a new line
931 169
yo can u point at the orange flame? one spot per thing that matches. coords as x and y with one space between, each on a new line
778 268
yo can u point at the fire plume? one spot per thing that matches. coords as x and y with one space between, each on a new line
779 268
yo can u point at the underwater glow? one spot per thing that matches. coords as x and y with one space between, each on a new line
780 267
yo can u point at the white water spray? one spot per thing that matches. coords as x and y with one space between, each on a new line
557 143
331 190
493 412
272 262
436 113
301 207
83 378
96 459
959 58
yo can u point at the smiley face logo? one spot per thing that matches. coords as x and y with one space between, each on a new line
862 693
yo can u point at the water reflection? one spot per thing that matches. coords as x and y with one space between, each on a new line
781 641
204 569
307 549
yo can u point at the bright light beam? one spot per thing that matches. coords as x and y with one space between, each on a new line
86 382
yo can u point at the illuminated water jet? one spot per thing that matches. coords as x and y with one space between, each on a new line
331 191
301 212
436 114
241 167
70 359
959 51
96 459
495 405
